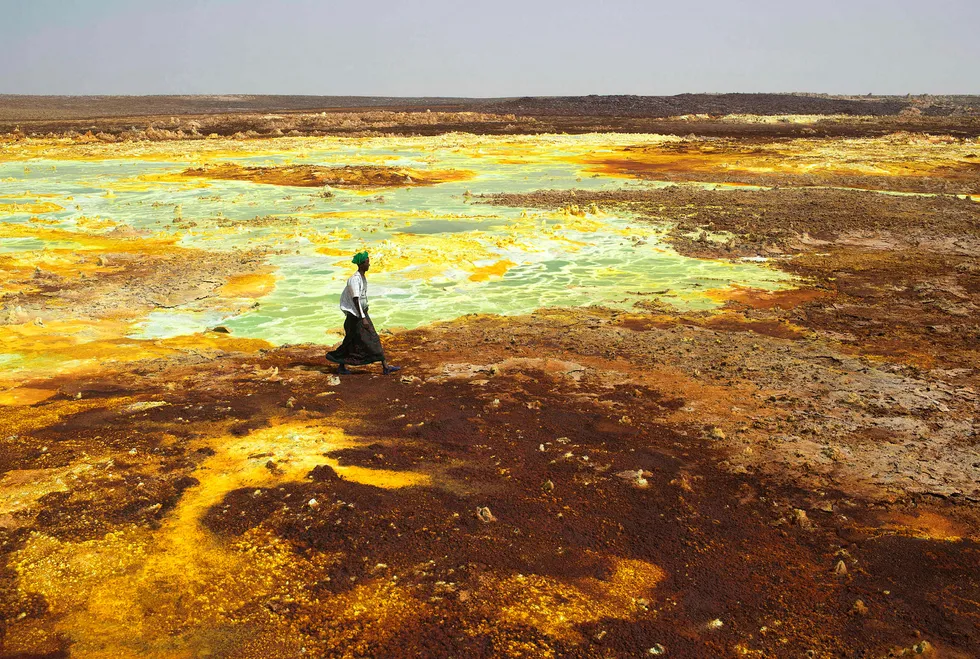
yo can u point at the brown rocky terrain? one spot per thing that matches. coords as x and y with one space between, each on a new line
113 118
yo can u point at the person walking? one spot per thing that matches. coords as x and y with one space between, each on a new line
361 345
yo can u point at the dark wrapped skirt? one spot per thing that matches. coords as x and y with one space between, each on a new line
361 345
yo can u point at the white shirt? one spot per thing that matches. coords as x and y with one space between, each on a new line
356 287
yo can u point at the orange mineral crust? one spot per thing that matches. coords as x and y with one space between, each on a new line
898 162
312 176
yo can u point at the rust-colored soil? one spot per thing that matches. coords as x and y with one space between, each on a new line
619 523
313 176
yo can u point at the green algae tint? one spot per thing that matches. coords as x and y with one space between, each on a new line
436 253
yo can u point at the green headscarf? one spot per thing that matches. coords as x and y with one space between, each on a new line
359 258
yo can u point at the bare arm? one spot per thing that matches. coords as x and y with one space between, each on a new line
363 314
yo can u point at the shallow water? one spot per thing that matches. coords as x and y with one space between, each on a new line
436 255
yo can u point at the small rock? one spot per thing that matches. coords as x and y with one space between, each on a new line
801 520
548 486
464 596
484 515
716 624
221 329
333 380
840 569
682 482
716 433
598 636
314 504
291 403
637 478
657 649
145 405
922 647
859 608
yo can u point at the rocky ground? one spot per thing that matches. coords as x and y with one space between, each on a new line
598 484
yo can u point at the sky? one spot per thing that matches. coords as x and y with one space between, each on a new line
489 49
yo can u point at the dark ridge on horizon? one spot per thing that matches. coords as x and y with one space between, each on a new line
23 107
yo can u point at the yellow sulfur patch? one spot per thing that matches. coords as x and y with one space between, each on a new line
557 607
175 592
255 285
498 269
135 243
86 346
34 209
24 396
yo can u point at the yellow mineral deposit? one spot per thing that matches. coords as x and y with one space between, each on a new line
24 396
441 256
131 242
150 182
371 613
180 591
253 285
504 149
890 156
35 352
929 525
495 269
36 208
558 608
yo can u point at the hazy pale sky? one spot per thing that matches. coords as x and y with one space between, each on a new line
498 48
